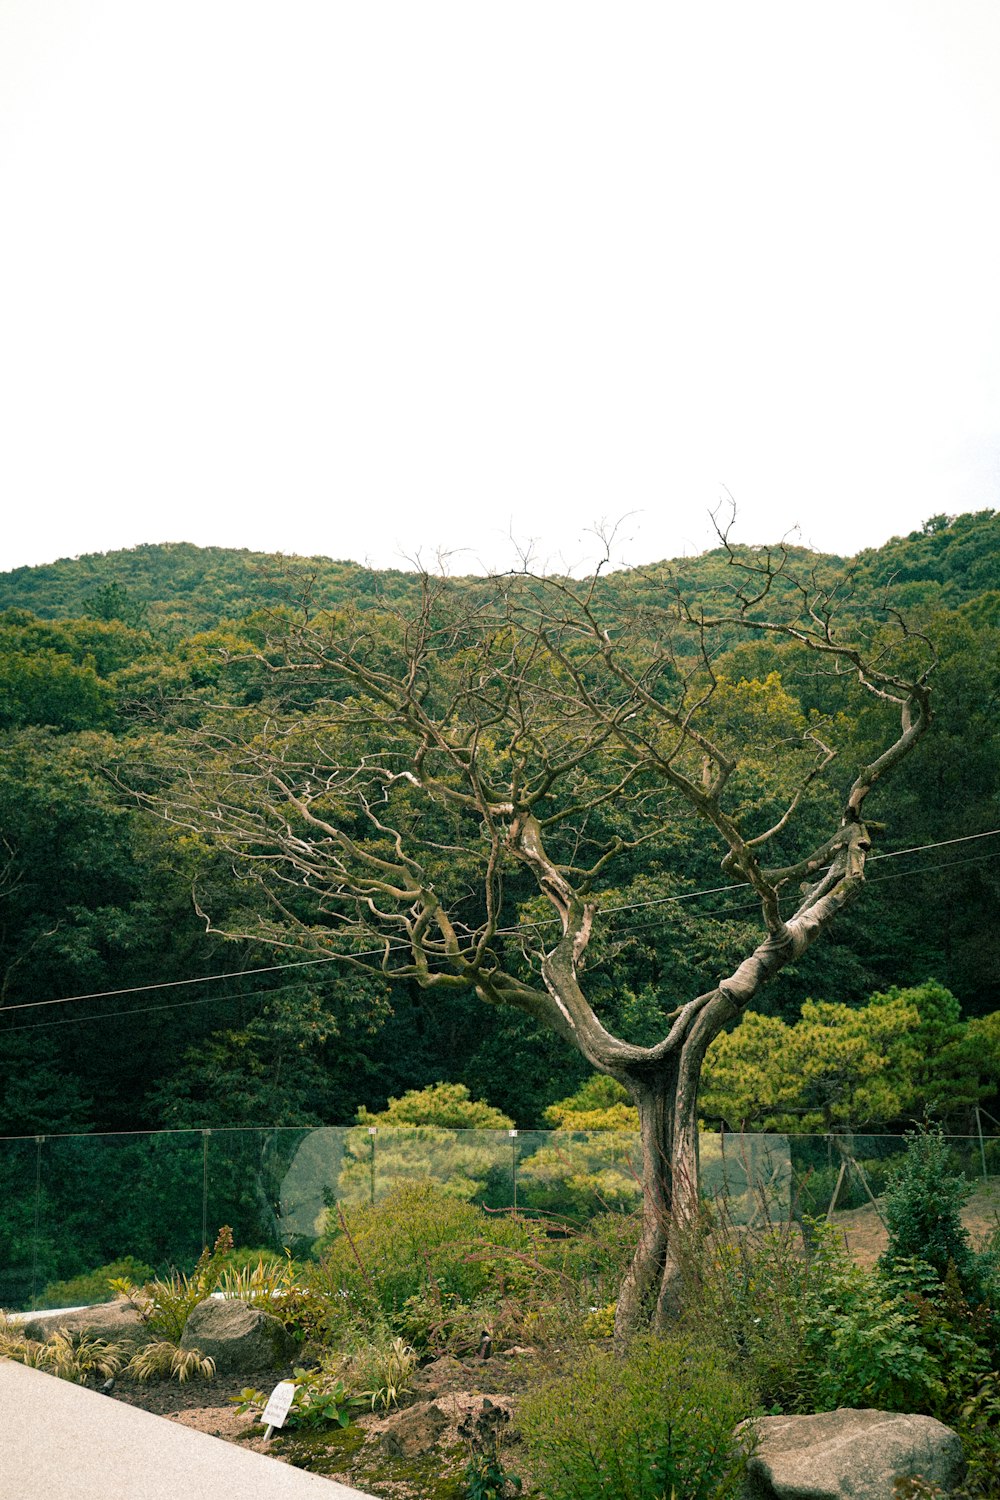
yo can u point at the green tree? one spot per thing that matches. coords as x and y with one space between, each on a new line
836 1067
590 1161
439 1134
112 601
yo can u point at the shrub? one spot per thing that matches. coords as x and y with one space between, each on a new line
923 1210
378 1368
891 1338
94 1286
166 1303
71 1356
657 1421
817 1334
744 1289
165 1361
597 1255
416 1240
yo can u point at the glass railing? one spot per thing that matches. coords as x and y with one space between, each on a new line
72 1203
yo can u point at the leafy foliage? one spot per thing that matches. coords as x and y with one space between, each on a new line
165 1361
417 1141
658 1421
418 1241
94 1286
923 1204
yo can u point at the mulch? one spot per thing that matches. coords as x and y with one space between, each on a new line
164 1397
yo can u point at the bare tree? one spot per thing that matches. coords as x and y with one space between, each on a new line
411 774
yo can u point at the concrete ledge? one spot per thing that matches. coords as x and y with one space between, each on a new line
60 1440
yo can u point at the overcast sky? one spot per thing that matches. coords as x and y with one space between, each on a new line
372 279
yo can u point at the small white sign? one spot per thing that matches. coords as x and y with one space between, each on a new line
278 1403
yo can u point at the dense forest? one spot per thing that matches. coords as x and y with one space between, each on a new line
122 660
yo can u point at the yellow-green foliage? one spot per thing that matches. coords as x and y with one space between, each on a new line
600 1103
449 1105
582 1172
832 1067
261 1282
375 1256
590 1162
438 1134
380 1369
166 1303
93 1286
165 1361
71 1356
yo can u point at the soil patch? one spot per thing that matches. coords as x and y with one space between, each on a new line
866 1238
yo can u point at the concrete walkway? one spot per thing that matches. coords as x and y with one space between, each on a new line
59 1441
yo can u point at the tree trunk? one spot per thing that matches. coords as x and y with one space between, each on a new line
668 1124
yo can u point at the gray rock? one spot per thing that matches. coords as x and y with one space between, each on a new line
116 1322
238 1337
849 1455
415 1431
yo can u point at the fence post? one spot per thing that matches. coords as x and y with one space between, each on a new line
39 1143
513 1165
204 1188
372 1131
982 1148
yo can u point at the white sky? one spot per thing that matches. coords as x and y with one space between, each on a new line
370 279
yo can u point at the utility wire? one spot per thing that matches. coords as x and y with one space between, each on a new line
632 930
303 963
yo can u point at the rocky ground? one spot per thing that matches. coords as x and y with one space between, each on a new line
420 1451
415 1453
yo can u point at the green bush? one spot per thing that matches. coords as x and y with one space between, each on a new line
653 1423
824 1332
420 1240
895 1338
923 1210
745 1291
94 1286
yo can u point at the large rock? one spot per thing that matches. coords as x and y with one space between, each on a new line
849 1455
415 1431
456 1416
241 1339
116 1322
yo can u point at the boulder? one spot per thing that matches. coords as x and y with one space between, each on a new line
115 1322
849 1455
241 1339
415 1431
455 1417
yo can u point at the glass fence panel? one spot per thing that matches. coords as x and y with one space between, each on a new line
20 1215
243 1176
120 1196
75 1204
308 1190
747 1177
839 1173
576 1174
474 1165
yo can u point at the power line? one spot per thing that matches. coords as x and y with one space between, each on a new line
396 946
629 931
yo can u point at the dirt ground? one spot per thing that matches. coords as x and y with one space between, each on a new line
866 1237
356 1457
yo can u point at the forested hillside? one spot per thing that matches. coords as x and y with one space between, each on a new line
117 671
